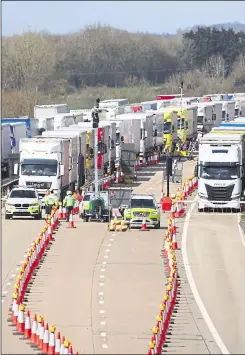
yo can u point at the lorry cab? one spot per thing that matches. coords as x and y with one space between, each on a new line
187 122
170 118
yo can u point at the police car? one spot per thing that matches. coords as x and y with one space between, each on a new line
23 201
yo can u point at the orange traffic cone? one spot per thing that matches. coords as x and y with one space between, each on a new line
34 330
51 344
174 241
57 344
62 347
20 327
52 224
71 222
15 297
143 226
64 213
45 340
60 216
27 332
50 237
41 336
172 212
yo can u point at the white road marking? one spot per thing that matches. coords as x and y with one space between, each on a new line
5 292
104 346
17 269
101 302
104 262
102 270
101 293
102 322
101 284
109 244
111 240
102 311
108 250
240 229
103 334
9 284
12 276
106 256
25 256
193 287
2 301
102 276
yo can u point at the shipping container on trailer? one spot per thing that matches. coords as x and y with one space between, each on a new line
31 124
49 110
89 142
131 129
228 110
45 124
149 105
6 142
117 102
18 132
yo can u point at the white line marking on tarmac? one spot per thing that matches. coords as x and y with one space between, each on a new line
108 250
111 240
101 302
109 244
102 322
5 292
104 346
9 284
101 284
12 276
103 334
193 287
102 311
101 293
17 269
102 276
106 256
2 301
240 229
102 270
104 262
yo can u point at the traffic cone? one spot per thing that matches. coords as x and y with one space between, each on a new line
51 345
41 335
172 212
27 331
71 222
60 212
16 312
180 209
173 226
45 343
62 347
50 236
20 327
39 325
174 241
14 297
143 226
67 343
57 344
34 330
52 223
70 350
64 213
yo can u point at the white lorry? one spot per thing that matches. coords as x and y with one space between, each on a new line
221 170
45 163
78 146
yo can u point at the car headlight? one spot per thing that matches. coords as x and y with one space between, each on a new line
155 212
34 204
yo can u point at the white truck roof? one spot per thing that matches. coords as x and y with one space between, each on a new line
216 137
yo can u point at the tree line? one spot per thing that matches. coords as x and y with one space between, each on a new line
40 63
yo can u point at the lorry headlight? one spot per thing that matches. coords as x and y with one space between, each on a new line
205 197
236 197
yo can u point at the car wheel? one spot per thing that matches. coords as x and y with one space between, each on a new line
39 216
8 216
158 226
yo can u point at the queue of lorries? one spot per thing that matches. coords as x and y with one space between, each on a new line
56 146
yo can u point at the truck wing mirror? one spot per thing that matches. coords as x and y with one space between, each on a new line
16 167
62 170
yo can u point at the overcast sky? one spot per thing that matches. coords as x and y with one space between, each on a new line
150 16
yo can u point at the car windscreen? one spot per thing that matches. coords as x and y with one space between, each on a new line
23 194
142 203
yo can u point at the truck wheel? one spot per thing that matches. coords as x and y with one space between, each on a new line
8 216
85 219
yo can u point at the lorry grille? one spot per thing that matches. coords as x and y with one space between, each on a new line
39 184
219 193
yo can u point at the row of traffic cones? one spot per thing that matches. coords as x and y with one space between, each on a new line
38 332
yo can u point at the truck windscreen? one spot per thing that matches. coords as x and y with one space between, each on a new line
220 172
39 167
142 203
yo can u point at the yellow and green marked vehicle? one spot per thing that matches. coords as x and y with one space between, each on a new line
23 201
140 207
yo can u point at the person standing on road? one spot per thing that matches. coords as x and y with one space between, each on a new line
69 203
50 200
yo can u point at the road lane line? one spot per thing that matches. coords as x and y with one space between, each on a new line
240 229
193 287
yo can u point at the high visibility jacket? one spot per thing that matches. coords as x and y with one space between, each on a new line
50 200
69 201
